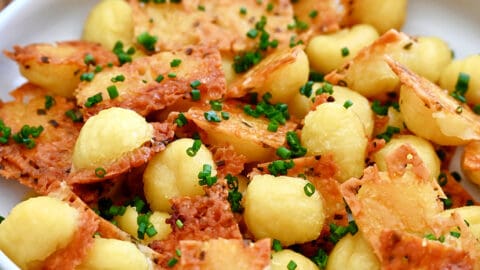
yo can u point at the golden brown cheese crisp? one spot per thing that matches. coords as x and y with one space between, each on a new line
57 67
228 254
144 92
202 218
321 15
241 126
255 77
163 134
50 160
377 203
227 160
220 24
405 251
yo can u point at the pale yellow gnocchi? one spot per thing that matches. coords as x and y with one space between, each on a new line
108 135
424 149
382 14
128 223
300 105
334 129
470 214
470 67
282 259
330 51
353 252
35 229
279 208
113 254
108 22
167 176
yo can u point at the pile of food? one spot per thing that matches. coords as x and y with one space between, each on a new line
244 134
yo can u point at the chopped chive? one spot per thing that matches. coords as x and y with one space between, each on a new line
97 69
225 115
243 10
347 104
172 262
201 7
118 78
269 6
75 115
195 84
313 14
211 116
195 93
291 265
159 78
272 126
172 75
179 223
181 120
455 234
175 62
276 245
89 59
112 91
147 41
345 51
309 189
87 76
216 105
321 259
178 252
252 33
93 100
192 151
100 172
49 102
388 134
284 152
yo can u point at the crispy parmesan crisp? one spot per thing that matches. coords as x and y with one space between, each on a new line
50 160
57 67
241 126
227 160
229 254
377 204
163 134
220 24
144 91
406 251
329 15
203 218
255 77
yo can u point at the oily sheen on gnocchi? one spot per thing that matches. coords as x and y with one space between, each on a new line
254 135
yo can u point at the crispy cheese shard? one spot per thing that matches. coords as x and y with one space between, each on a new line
242 131
395 223
202 218
321 15
228 254
49 160
377 204
370 60
219 23
58 67
444 120
153 83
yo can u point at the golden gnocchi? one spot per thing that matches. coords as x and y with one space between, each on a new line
298 217
165 177
334 129
107 136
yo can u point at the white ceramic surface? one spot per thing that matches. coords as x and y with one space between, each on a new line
25 22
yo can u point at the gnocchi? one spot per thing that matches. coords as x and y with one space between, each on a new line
120 254
468 66
353 252
108 135
109 21
423 148
331 51
382 14
23 236
128 223
165 177
268 200
333 129
283 258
